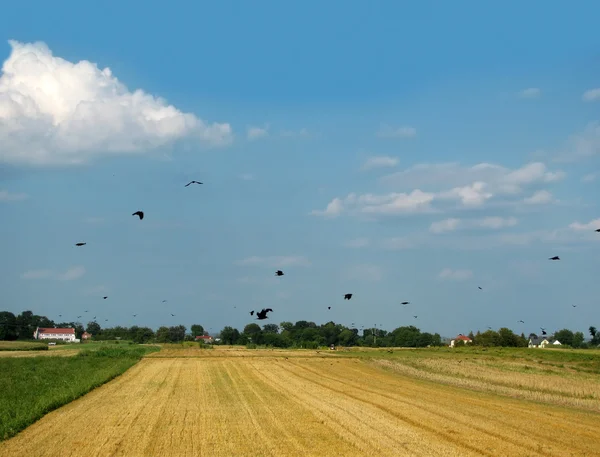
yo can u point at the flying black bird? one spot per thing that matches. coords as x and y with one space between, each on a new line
260 315
86 311
544 332
164 301
329 307
105 320
347 296
554 258
279 273
60 315
94 318
522 322
252 313
192 182
489 328
139 214
415 317
104 298
479 287
172 314
80 244
574 306
598 230
79 317
405 303
135 315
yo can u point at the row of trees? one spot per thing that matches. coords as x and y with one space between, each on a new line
303 334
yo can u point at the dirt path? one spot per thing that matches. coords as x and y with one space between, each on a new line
273 406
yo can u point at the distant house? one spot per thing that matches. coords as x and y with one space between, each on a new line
205 338
461 337
542 341
86 336
64 334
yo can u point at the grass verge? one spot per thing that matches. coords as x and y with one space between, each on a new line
32 387
22 346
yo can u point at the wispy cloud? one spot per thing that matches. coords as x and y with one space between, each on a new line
591 95
70 274
274 261
357 243
380 162
474 187
364 272
491 222
399 132
6 196
540 197
302 133
591 177
247 177
254 133
532 92
458 275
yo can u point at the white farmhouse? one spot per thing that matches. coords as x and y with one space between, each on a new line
64 334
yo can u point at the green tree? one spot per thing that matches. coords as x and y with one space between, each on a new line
93 328
565 336
286 326
578 339
253 333
197 330
177 333
8 326
595 341
162 335
270 328
230 335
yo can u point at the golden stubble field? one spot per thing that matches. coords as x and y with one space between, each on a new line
237 402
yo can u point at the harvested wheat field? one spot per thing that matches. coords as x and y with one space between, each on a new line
270 405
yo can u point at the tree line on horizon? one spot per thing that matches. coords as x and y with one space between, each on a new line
302 334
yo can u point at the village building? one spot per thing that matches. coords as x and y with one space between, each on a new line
64 334
461 337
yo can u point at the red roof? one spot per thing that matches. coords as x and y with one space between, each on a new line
70 331
204 337
463 338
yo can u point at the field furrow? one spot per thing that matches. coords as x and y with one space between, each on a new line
235 403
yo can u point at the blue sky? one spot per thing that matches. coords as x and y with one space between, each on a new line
393 151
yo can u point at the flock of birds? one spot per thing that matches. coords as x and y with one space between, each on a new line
262 314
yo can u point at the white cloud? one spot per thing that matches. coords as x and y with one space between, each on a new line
380 162
582 145
55 112
532 92
459 275
302 133
254 133
37 274
357 243
401 132
96 290
447 225
589 177
6 196
247 177
364 272
491 222
399 243
334 208
495 222
591 95
592 225
497 177
274 261
70 274
540 197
